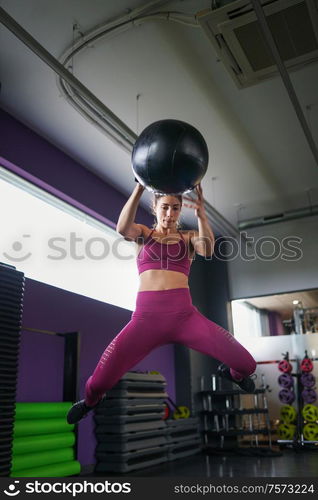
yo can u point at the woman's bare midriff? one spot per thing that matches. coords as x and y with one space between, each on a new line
158 279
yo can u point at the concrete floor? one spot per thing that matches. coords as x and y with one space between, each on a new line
290 464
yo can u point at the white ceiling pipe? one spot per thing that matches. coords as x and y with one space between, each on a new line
279 217
125 133
121 22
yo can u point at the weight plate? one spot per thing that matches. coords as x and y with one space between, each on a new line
181 412
288 414
286 396
308 380
306 365
310 432
285 366
286 431
309 396
310 413
286 380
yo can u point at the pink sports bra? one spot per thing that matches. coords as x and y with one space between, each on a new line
168 256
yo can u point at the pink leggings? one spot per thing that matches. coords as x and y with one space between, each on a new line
163 317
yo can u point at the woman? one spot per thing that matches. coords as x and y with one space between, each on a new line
164 312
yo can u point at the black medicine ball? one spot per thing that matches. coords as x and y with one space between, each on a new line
170 157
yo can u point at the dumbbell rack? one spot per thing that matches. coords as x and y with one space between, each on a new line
298 441
217 405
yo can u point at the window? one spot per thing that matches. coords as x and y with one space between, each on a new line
247 321
55 243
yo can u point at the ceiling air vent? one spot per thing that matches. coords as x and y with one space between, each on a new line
239 41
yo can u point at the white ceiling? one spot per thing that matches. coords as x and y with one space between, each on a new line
259 158
283 303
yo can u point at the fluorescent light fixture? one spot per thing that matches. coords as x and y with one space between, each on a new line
43 195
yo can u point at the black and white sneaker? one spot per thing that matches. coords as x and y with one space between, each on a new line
79 410
246 384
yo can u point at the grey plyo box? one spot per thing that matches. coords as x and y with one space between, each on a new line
131 409
142 377
185 448
127 462
109 403
132 427
137 444
139 385
131 457
129 427
130 436
182 435
138 392
183 424
183 430
127 419
124 467
195 442
184 452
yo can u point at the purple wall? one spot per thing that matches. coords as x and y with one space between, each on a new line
276 326
49 308
41 357
52 168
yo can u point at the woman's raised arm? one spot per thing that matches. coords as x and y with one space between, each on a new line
126 225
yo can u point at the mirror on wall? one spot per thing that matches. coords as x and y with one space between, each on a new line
280 314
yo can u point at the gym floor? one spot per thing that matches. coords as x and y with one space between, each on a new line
289 464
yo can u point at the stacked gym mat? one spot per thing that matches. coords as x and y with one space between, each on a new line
129 426
183 437
43 444
35 439
131 432
11 300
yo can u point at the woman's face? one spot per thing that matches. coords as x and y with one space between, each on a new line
168 210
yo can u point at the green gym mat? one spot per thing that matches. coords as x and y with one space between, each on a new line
36 427
25 411
31 444
32 460
55 470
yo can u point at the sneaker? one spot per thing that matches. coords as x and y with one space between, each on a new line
78 411
246 384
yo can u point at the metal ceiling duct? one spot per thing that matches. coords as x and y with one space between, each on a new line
278 217
236 35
